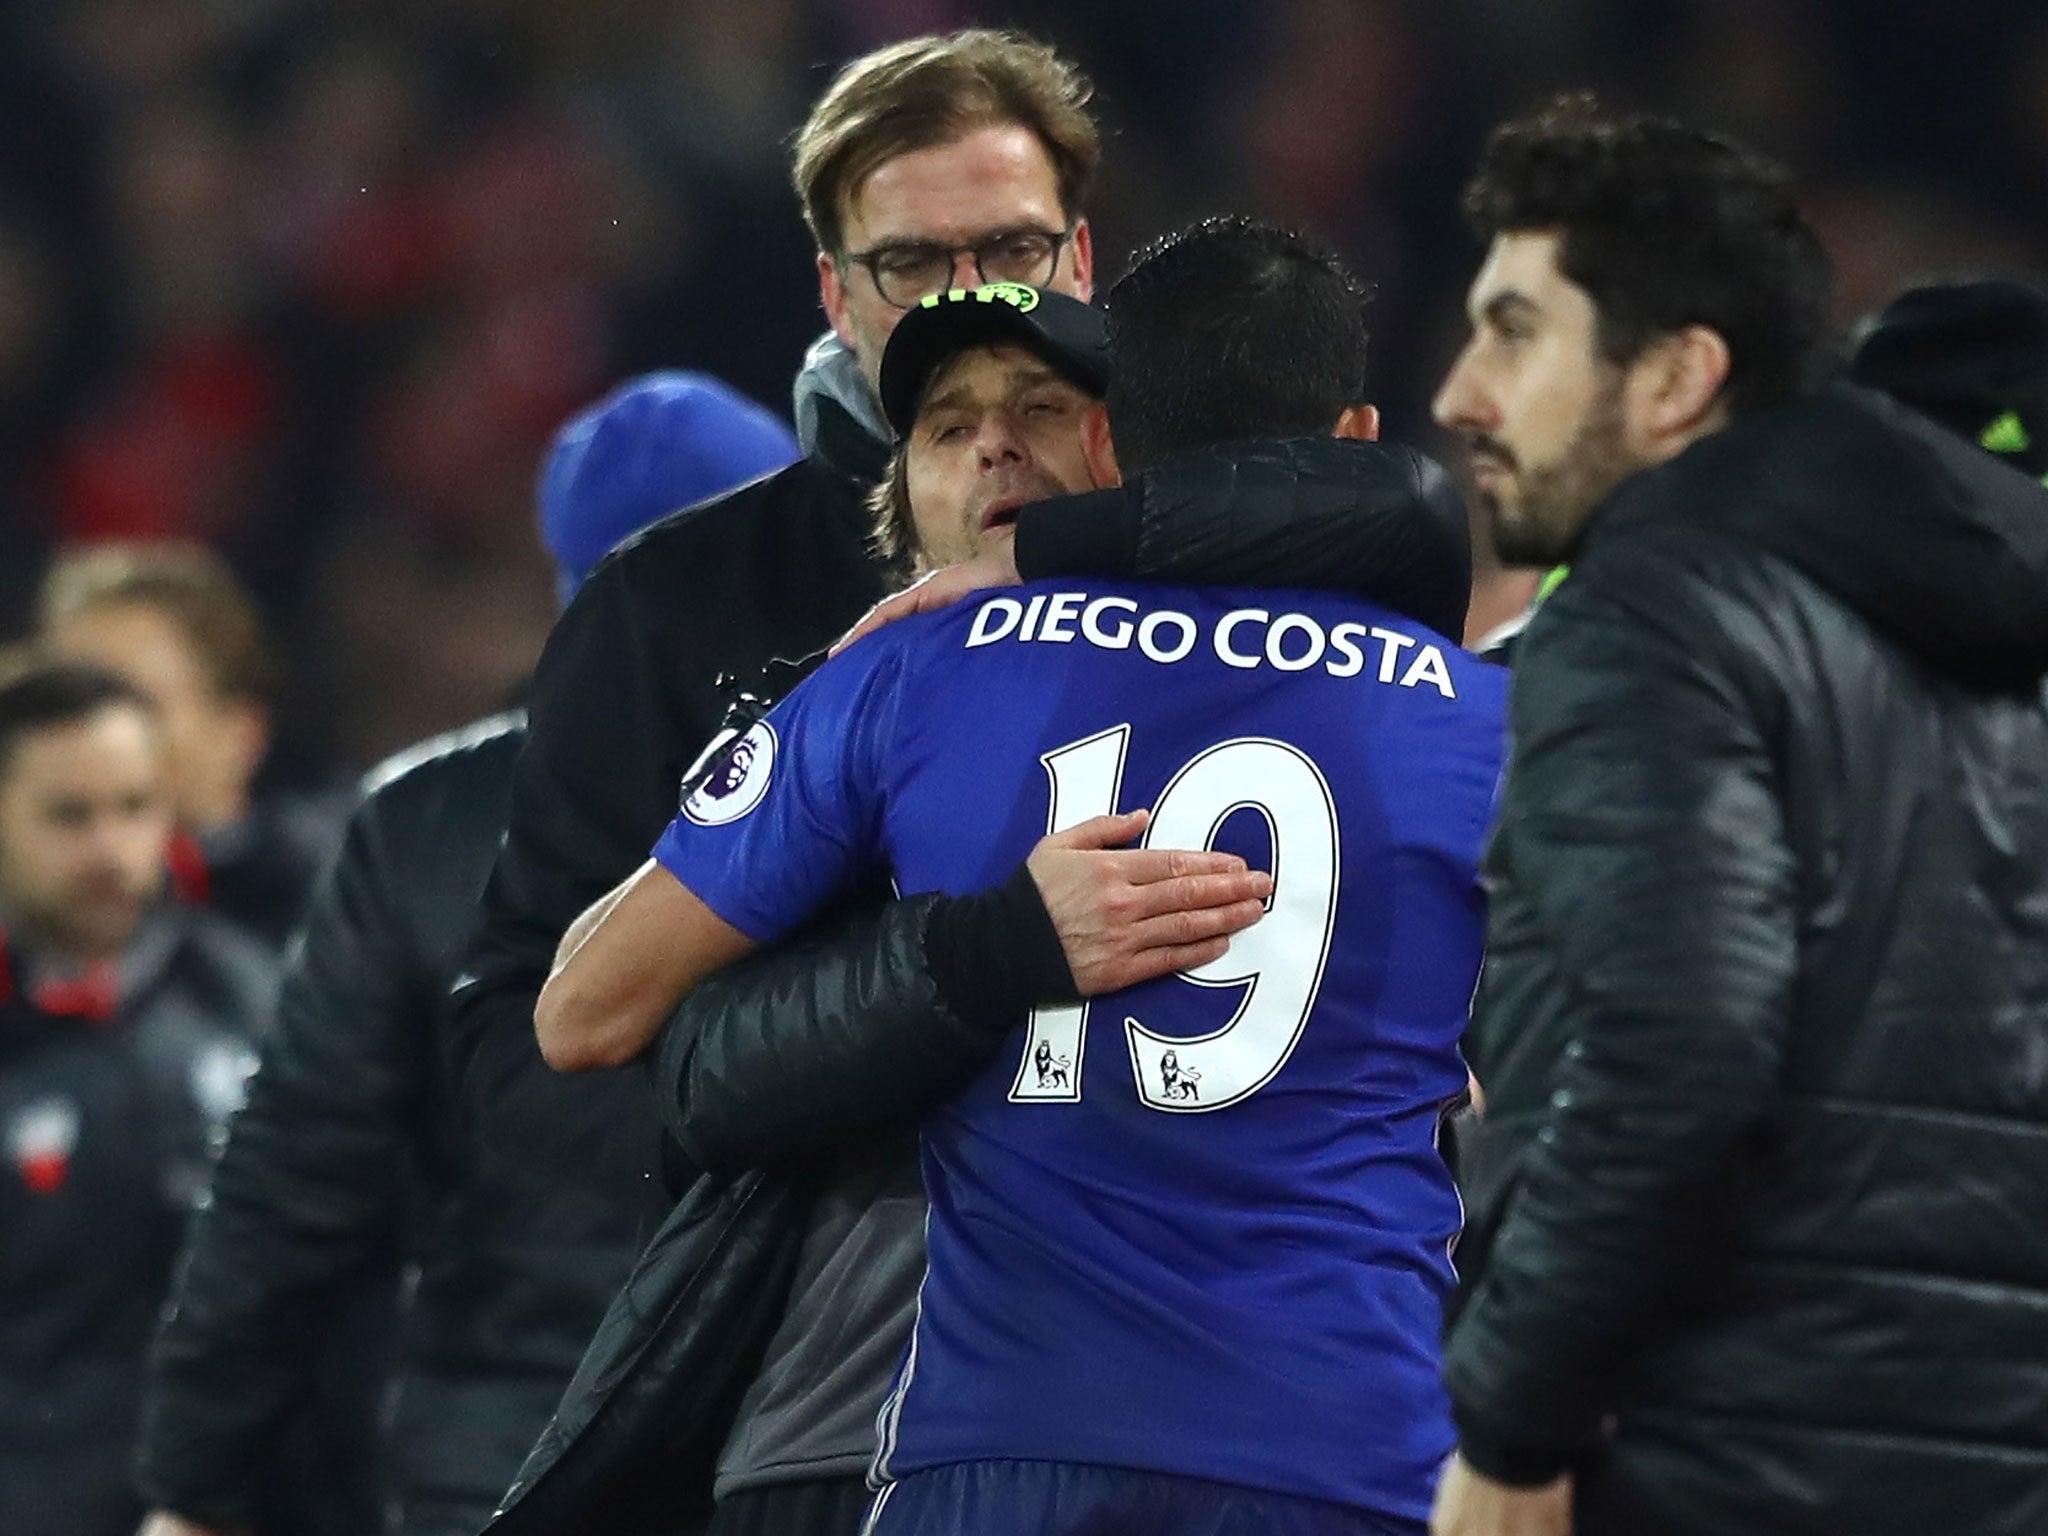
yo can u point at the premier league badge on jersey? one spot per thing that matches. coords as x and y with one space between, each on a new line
737 781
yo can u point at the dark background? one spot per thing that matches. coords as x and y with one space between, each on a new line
314 282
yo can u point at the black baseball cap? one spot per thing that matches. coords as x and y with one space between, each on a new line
1973 355
1069 336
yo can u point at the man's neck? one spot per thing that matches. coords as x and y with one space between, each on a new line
1715 420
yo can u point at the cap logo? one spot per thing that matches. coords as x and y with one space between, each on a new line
1021 297
2008 434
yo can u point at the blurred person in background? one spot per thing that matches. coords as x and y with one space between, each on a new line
127 1024
660 443
1767 974
173 620
348 1158
1971 354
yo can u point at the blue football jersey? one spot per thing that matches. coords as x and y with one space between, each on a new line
1200 1226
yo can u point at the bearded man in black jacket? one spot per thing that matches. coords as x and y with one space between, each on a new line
1767 970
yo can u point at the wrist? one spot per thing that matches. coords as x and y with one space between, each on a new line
1513 1460
995 955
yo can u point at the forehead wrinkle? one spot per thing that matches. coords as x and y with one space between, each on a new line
955 237
949 392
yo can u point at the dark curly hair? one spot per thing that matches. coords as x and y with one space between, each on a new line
1665 226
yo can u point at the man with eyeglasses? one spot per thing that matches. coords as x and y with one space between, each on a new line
926 166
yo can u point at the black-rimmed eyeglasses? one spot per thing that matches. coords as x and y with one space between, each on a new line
908 270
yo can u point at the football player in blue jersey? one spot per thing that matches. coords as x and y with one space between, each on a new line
1189 1242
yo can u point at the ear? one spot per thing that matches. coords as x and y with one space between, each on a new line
1674 389
1083 258
832 294
1098 450
1360 423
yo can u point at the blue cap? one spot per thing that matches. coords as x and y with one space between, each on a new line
657 443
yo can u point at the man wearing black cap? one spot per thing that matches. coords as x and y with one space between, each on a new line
1972 355
1010 373
1186 1260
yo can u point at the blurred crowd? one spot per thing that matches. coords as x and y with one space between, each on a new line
311 322
312 283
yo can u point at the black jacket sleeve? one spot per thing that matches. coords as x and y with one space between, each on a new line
799 1050
608 722
1378 520
1642 826
858 1029
306 1202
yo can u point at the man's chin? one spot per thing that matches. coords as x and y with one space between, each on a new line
999 540
1515 543
105 927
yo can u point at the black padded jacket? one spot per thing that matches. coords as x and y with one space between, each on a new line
348 1159
1755 1238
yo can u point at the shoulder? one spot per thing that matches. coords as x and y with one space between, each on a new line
451 756
780 558
446 780
762 512
1662 622
876 663
1652 569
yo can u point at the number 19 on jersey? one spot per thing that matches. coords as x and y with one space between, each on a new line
1278 961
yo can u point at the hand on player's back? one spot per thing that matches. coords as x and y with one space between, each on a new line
1126 915
940 589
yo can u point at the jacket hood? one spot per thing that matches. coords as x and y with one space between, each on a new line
1936 543
1378 520
837 416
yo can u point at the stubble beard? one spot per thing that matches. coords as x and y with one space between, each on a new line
1555 498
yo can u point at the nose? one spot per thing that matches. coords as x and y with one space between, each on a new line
1460 403
999 442
965 272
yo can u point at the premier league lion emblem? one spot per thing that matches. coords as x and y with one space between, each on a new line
737 781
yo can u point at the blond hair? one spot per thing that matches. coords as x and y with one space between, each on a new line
932 90
893 533
187 583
